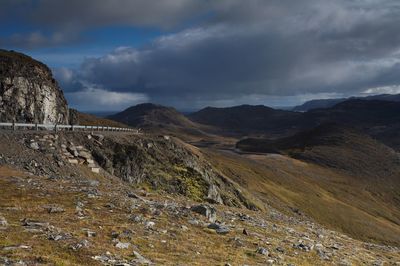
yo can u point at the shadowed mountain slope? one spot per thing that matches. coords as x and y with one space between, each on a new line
247 118
334 146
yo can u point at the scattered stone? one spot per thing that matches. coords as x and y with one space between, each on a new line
85 155
140 259
54 209
137 218
150 224
82 244
206 211
95 170
9 248
110 206
34 146
122 245
304 247
262 251
55 237
90 233
34 226
73 161
184 228
245 232
220 229
98 137
270 262
3 222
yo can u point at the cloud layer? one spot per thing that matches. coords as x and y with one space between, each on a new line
218 52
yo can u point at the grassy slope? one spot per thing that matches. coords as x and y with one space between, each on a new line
330 197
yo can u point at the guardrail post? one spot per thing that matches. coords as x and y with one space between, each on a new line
13 125
72 127
36 127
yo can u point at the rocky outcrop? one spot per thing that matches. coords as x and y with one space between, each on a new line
28 91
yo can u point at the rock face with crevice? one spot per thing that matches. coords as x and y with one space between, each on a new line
28 91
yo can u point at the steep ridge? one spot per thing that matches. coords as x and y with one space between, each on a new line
28 91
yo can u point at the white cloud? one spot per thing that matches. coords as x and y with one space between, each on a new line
394 89
95 99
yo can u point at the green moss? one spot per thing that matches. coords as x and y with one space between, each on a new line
190 183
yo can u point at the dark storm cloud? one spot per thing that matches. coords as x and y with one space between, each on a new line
268 48
232 49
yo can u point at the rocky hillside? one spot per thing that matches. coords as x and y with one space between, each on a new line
159 163
56 209
28 91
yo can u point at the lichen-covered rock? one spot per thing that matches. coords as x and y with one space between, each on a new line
28 91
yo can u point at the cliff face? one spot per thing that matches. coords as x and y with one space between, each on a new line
28 91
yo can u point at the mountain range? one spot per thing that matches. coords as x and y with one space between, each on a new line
326 103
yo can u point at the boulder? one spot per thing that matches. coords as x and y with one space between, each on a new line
206 211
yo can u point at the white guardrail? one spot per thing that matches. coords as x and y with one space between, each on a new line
59 127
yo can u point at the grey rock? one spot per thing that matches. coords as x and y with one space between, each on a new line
262 251
140 259
82 244
122 245
34 146
213 195
206 211
98 137
85 155
90 233
3 222
220 229
54 209
304 247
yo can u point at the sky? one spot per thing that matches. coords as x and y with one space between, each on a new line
108 55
